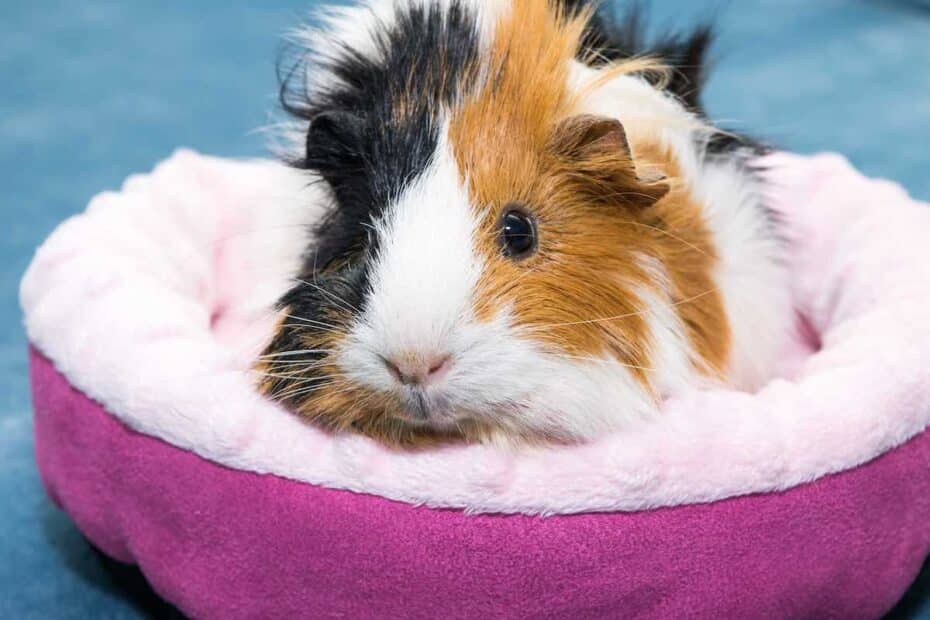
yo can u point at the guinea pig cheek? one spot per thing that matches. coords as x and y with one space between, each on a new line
575 302
303 369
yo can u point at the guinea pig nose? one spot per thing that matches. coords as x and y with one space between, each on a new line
418 369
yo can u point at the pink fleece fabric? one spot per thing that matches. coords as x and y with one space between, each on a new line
221 543
154 303
151 305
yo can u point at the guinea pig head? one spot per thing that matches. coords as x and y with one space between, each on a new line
522 271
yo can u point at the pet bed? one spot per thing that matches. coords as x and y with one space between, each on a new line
806 499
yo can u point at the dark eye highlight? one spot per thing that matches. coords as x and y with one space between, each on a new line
518 234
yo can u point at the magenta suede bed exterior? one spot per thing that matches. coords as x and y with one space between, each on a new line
221 543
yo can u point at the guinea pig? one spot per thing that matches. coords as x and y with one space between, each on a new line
535 232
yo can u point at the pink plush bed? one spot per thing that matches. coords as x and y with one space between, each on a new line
807 499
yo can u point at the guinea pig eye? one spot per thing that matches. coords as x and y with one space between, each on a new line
518 234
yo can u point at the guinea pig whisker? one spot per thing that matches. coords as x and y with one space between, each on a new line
310 321
290 373
292 368
293 353
284 359
291 384
313 389
305 389
600 360
340 301
303 319
621 316
295 367
668 234
304 363
325 330
297 393
295 379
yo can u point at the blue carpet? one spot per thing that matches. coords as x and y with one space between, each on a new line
92 91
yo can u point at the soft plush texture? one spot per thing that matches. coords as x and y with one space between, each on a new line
146 311
221 543
155 301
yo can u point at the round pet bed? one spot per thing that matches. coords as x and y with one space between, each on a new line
807 499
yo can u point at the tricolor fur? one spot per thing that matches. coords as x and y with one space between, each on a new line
655 268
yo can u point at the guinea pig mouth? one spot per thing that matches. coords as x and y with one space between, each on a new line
419 407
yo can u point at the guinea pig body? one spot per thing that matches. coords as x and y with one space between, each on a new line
535 233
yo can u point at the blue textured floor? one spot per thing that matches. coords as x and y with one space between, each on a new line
91 91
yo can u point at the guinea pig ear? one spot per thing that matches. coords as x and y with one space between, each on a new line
597 146
333 143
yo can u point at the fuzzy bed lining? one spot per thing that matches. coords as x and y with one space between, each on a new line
155 300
